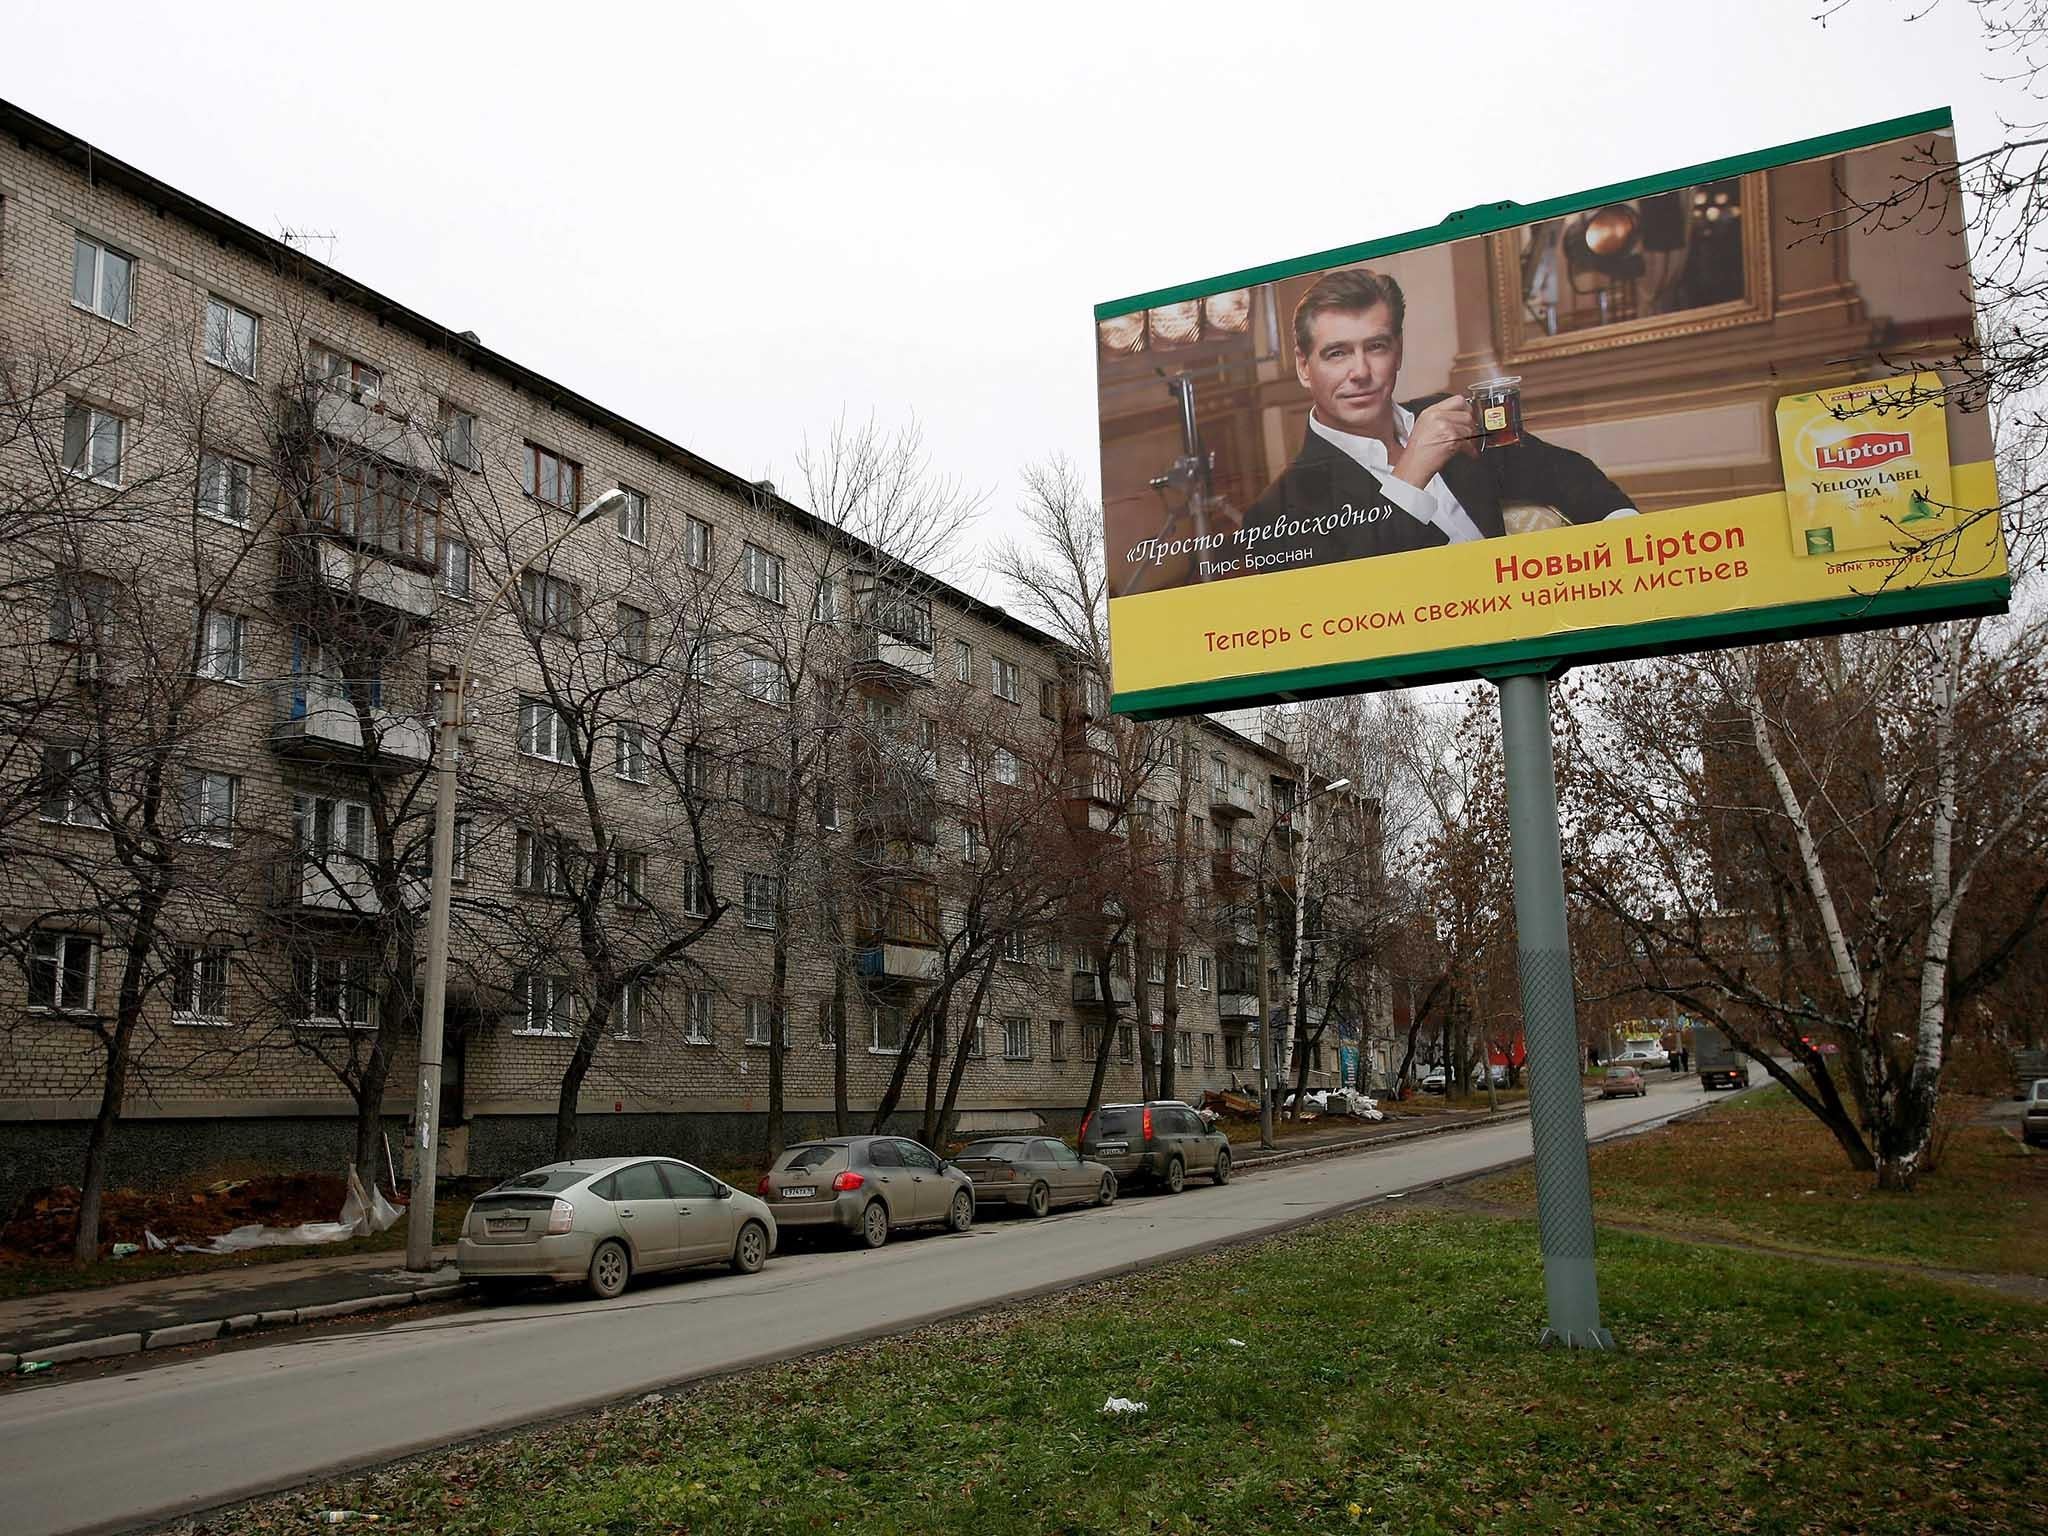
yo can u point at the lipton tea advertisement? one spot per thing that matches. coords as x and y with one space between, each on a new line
1711 406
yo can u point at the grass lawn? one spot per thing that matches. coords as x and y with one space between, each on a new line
1387 1381
1761 1169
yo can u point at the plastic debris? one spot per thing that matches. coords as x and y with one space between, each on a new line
1235 1343
154 1243
30 1367
342 1516
1122 1405
126 1250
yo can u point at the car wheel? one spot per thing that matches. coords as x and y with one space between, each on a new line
961 1217
1223 1167
1107 1194
874 1224
1176 1176
751 1251
610 1269
1039 1201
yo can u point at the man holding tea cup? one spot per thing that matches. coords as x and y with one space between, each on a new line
1414 476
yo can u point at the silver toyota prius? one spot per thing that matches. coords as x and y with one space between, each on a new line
604 1220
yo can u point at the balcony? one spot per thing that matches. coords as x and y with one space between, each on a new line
329 568
888 961
1088 990
896 657
1229 871
1237 1007
1229 800
315 724
337 883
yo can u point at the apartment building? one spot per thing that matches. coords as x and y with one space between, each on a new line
717 750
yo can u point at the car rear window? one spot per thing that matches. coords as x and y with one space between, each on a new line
547 1180
1117 1122
1619 1072
803 1159
1012 1150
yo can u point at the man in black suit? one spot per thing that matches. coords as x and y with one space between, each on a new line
1401 477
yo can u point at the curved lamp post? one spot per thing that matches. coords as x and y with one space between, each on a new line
419 1227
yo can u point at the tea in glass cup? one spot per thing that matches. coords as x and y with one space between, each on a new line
1497 408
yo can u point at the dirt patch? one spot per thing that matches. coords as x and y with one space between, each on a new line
43 1225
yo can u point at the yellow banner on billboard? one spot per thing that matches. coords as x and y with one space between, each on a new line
1716 561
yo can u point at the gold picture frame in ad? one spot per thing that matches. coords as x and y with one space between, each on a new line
1639 269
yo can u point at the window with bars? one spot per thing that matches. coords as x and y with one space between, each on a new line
1003 678
1016 1039
544 731
231 333
548 477
199 983
761 572
223 489
632 520
62 971
93 442
223 646
549 1001
102 279
70 787
206 806
697 1005
630 760
335 991
761 897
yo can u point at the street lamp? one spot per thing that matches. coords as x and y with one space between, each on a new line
1266 1052
419 1227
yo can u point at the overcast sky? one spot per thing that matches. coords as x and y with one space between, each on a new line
733 223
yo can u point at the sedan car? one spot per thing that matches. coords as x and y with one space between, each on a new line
2034 1119
1623 1080
866 1187
1034 1172
605 1220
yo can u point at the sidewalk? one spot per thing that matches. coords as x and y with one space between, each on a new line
193 1309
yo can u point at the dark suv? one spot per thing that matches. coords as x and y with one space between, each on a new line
1163 1141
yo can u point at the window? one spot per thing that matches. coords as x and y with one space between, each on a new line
629 879
696 900
826 799
761 571
1004 678
546 476
1216 772
1157 1044
633 516
1097 695
697 659
1233 1052
1198 833
762 679
1008 769
335 990
1186 1058
70 788
760 899
452 558
831 1019
458 438
207 806
199 984
1016 1039
1014 947
633 624
318 675
697 776
963 662
1203 963
223 646
231 337
697 1005
326 828
542 864
549 602
92 443
1208 1050
629 1013
102 279
885 1029
977 1039
760 1020
1056 1040
347 375
421 864
761 788
825 601
1048 698
376 504
78 607
550 1002
62 968
697 544
1183 973
223 489
970 841
543 731
631 762
1126 1043
1155 968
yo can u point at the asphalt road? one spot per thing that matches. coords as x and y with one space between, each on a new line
120 1451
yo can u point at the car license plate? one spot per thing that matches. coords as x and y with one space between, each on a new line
1114 1147
505 1223
801 1192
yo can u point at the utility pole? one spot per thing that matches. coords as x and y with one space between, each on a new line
1265 1005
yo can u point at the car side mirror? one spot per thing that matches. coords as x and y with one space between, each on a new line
725 1191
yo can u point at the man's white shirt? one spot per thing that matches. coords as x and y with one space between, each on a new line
1434 503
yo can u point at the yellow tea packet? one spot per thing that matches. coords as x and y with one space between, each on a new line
1866 468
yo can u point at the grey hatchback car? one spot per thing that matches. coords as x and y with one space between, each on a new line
605 1219
1163 1142
866 1187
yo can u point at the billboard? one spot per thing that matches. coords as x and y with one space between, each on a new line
1712 406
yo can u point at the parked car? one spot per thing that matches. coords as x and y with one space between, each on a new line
1620 1080
1162 1141
2034 1119
1644 1054
605 1220
1434 1083
1034 1172
866 1187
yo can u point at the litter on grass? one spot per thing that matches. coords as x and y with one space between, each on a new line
1235 1343
1122 1405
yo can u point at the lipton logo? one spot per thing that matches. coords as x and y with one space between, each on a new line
1863 450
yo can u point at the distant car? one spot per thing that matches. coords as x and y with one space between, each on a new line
1034 1172
1161 1142
1645 1054
1434 1083
1623 1080
866 1187
605 1220
2034 1119
1497 1071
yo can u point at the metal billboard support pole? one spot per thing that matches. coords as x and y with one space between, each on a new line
1557 1108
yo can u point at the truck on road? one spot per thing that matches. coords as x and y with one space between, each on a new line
1720 1065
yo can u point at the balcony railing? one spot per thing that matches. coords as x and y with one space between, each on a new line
1088 990
335 568
899 962
1229 799
335 882
311 721
1237 1006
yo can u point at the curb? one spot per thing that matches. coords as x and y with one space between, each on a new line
1359 1143
236 1325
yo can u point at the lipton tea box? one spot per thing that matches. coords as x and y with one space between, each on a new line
1866 466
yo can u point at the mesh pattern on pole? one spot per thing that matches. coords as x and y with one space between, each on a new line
1557 1111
